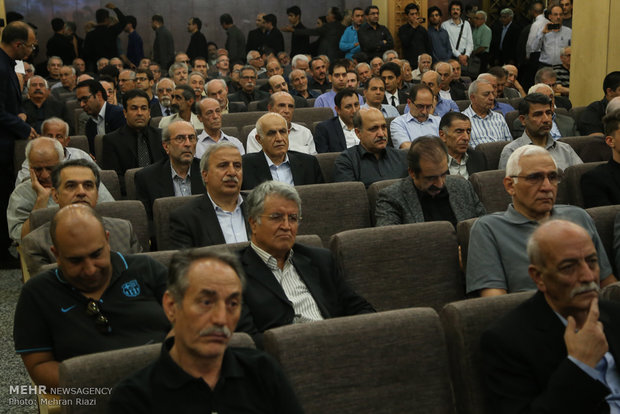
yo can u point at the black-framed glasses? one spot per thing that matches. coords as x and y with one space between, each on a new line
180 139
538 178
422 107
102 322
84 99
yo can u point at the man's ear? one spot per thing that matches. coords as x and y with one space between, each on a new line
168 303
509 184
522 119
536 274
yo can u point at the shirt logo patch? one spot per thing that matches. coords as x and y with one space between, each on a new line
131 289
67 309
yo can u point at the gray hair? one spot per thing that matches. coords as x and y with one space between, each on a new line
298 58
514 168
60 151
255 201
613 105
388 52
211 149
197 73
55 120
40 77
536 87
165 79
473 88
248 56
183 260
176 66
506 11
68 66
49 59
214 81
259 123
248 67
484 14
563 50
132 74
422 54
165 133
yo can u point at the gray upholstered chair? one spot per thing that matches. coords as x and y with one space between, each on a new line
110 179
310 115
569 189
493 152
130 183
590 148
489 186
331 208
463 104
389 362
240 119
395 267
80 142
463 229
510 119
231 131
155 120
106 369
611 292
326 162
604 218
162 207
99 150
463 323
373 194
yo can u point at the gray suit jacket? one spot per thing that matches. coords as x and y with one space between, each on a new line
36 245
399 203
565 123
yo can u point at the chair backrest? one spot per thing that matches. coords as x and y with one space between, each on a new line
130 183
309 115
576 112
589 148
489 187
162 207
327 160
611 292
77 113
510 119
130 210
463 104
401 266
80 142
492 151
373 194
240 119
71 105
401 108
514 102
604 218
231 131
155 120
331 208
463 229
19 154
310 102
110 179
99 150
106 369
253 106
245 131
331 363
463 323
570 186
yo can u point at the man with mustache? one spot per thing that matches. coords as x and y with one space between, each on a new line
557 351
196 369
429 193
218 216
137 144
536 114
164 89
39 106
418 121
455 132
371 160
76 181
183 99
497 260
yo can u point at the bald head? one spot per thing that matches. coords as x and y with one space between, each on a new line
278 84
550 235
432 79
75 218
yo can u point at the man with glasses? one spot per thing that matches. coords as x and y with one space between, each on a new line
536 114
145 82
497 261
288 282
96 300
137 144
248 91
183 100
429 193
419 121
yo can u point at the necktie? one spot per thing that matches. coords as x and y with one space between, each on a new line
393 101
167 111
144 158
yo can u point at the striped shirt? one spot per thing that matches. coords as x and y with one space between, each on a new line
304 305
491 128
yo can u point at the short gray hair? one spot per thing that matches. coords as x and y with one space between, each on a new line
259 123
248 56
388 52
194 73
255 201
506 11
183 260
211 149
536 87
473 88
40 77
132 74
55 120
165 133
483 13
298 58
176 66
359 65
60 151
214 81
513 167
165 79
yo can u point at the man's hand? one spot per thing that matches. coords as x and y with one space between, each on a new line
22 116
43 194
33 134
589 344
463 60
288 28
110 6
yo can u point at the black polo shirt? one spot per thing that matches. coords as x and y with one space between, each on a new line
436 208
250 382
51 313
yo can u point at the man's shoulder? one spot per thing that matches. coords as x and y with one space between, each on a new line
154 169
329 122
24 190
301 157
191 205
399 189
254 158
115 222
311 252
574 213
140 262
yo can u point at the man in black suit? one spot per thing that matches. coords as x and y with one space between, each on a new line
101 41
178 175
137 144
164 88
338 133
601 186
275 161
248 91
504 40
556 352
218 216
390 73
40 106
104 118
255 37
305 286
272 37
217 89
455 132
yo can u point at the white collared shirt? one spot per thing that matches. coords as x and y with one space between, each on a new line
232 223
299 139
350 136
280 172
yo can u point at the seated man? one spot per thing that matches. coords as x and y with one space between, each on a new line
419 121
429 193
277 83
210 114
176 175
374 95
43 154
391 74
600 186
590 122
571 368
432 79
39 106
536 114
275 161
455 132
288 282
164 88
486 124
548 76
446 91
75 181
217 89
137 144
299 83
97 300
206 374
338 133
371 160
183 99
497 261
338 79
248 92
498 106
218 216
299 137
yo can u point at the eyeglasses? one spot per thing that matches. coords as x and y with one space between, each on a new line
180 139
279 218
434 178
421 107
103 324
32 46
84 98
538 178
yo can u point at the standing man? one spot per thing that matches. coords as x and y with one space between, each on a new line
101 41
197 43
551 38
235 40
135 47
349 42
441 48
413 36
255 37
163 45
505 37
300 44
567 13
374 38
481 35
272 37
460 34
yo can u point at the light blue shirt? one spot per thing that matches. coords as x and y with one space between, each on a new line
491 128
280 172
443 107
406 128
326 100
182 186
348 41
204 140
388 111
231 222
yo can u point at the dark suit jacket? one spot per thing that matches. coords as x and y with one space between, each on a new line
265 304
329 137
196 225
508 54
299 103
156 110
51 107
155 181
477 161
565 123
526 365
402 97
240 96
114 119
120 150
601 186
255 40
274 40
236 107
305 169
197 46
11 126
329 38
